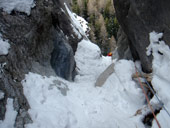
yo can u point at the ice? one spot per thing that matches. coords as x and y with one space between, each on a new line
1 95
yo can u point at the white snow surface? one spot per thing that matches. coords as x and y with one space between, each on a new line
79 24
161 70
84 106
10 115
17 5
4 46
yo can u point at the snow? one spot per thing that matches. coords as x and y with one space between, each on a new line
89 54
4 46
10 115
17 5
83 23
79 24
57 103
161 69
82 105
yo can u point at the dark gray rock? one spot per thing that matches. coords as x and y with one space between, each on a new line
140 17
63 57
123 49
39 43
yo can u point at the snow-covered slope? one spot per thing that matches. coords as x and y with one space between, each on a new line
119 103
58 103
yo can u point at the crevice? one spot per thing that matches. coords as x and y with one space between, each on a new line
149 92
148 119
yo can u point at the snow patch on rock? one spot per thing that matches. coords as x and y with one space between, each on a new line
80 25
4 46
17 5
10 115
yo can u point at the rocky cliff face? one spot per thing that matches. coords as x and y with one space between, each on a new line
43 42
140 17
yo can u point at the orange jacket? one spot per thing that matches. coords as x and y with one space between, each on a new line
109 54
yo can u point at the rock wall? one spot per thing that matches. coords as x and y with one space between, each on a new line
123 50
43 42
140 17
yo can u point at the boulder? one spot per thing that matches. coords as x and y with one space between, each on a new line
104 75
140 17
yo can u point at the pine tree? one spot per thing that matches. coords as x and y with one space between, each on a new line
85 11
101 17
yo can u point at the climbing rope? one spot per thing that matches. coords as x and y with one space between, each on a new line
153 92
147 98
